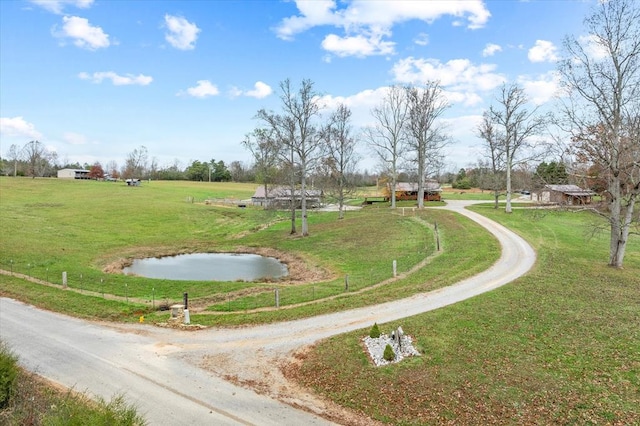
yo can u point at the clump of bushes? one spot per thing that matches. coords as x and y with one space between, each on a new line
8 374
389 355
375 331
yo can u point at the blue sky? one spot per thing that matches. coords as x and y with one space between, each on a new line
95 79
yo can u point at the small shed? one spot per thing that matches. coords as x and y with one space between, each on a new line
409 191
280 197
563 194
73 174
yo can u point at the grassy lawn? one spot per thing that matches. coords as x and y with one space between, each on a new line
53 226
558 346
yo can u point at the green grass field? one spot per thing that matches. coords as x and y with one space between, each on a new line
558 346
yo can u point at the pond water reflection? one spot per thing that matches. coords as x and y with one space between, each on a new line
209 267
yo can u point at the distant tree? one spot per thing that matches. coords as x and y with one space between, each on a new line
112 169
553 173
37 157
14 156
386 137
494 151
136 163
426 136
264 144
218 171
96 171
516 126
238 171
601 75
198 171
341 157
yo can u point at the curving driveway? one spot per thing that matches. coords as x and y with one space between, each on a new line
179 377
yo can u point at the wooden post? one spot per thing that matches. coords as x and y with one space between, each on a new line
395 268
277 293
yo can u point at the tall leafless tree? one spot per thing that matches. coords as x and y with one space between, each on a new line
425 135
386 136
493 143
601 74
265 148
14 155
341 157
296 129
518 126
136 163
38 158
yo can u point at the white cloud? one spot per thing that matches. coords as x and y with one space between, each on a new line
18 127
117 80
181 34
82 33
543 51
593 47
542 88
491 49
458 75
422 39
203 89
260 90
57 6
365 21
359 45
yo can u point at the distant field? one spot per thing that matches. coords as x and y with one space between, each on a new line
52 226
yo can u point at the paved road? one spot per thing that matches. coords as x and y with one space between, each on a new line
175 376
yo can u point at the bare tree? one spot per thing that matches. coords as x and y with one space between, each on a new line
493 143
426 136
14 155
296 131
265 148
386 136
341 157
601 74
136 163
37 157
517 126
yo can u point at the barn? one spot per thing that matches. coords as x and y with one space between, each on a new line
563 194
73 174
280 197
409 191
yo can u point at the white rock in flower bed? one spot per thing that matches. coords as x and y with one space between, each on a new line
376 346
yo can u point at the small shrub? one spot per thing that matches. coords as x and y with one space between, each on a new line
375 331
8 374
389 355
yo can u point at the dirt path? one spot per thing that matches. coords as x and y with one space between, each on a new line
254 356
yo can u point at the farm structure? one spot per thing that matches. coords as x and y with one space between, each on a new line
409 191
73 174
563 194
280 197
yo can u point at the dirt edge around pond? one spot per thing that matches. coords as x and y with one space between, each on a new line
301 270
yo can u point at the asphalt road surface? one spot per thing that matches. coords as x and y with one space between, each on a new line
179 377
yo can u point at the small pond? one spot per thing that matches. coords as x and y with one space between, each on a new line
209 267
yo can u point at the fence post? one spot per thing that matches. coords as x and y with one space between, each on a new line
395 268
277 292
64 279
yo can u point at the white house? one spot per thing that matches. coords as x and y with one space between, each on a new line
73 174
